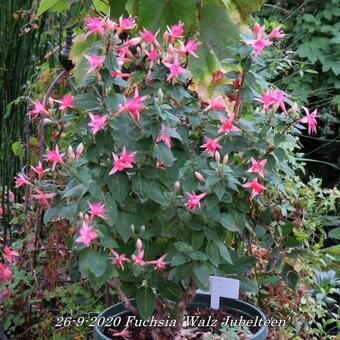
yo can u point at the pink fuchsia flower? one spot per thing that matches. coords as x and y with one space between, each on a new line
10 254
175 68
257 167
211 145
5 272
97 122
138 259
152 56
174 32
43 197
149 37
21 180
190 47
125 334
133 106
119 74
215 104
194 201
126 24
118 260
159 264
123 162
276 33
87 234
227 125
38 108
255 187
109 25
1 211
164 137
66 102
55 157
272 97
97 210
95 62
39 169
4 294
95 25
258 44
310 119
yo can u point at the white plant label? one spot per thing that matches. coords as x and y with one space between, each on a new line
221 287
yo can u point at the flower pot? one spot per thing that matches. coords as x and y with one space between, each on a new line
237 307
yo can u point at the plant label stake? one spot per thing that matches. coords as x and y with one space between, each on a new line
221 287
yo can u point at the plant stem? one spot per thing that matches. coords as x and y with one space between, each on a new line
182 305
114 284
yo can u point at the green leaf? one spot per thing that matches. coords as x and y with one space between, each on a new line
169 289
112 210
335 233
18 150
97 262
118 185
201 276
166 13
241 264
198 256
61 211
123 225
101 6
95 190
224 252
164 154
246 7
145 299
178 260
213 253
183 247
56 5
117 8
217 30
228 222
85 101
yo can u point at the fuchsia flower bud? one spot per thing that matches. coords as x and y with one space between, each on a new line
177 186
199 176
70 153
139 245
217 157
79 150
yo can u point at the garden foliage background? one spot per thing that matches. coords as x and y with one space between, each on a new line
307 65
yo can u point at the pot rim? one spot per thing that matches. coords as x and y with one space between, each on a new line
240 307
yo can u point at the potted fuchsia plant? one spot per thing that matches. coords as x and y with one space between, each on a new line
159 184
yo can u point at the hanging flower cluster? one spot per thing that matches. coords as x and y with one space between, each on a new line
9 257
